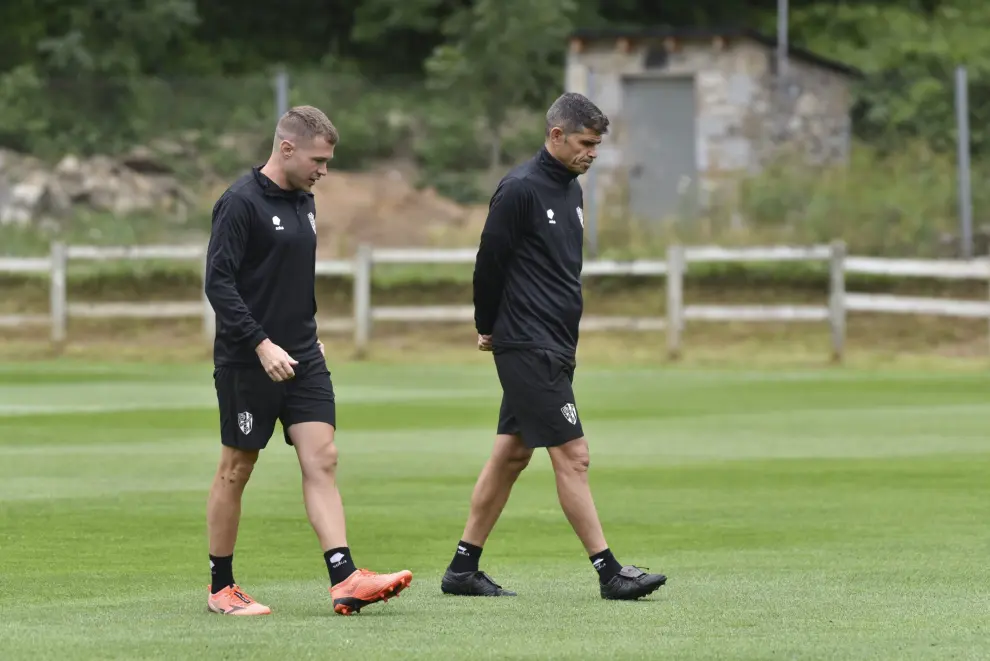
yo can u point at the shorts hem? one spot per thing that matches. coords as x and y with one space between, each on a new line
303 419
243 447
551 443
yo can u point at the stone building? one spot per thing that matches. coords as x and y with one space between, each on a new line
693 109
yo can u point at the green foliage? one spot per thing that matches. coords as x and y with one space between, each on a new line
71 69
888 204
504 54
381 19
457 86
885 204
909 55
21 96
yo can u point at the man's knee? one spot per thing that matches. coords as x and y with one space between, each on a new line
571 457
316 449
322 460
236 466
511 455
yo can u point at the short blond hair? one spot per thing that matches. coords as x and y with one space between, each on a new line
306 122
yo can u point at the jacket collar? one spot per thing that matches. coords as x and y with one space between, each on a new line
270 188
553 168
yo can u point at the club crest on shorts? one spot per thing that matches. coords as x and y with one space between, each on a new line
312 221
570 413
246 422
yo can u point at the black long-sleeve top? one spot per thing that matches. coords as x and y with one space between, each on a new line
261 271
527 274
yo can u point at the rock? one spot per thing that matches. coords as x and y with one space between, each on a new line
170 148
33 192
29 192
144 160
69 166
24 200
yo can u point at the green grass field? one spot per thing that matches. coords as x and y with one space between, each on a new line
832 514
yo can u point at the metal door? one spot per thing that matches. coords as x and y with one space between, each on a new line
660 147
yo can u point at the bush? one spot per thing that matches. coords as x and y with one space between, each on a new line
898 204
901 204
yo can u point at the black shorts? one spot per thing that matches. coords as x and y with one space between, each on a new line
250 402
537 397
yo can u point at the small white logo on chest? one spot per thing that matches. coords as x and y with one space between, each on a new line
277 223
550 217
312 221
580 216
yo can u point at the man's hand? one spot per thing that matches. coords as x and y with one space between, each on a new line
277 363
322 350
484 343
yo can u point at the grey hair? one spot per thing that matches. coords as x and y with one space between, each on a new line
573 112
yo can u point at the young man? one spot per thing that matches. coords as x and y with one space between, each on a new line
269 364
528 304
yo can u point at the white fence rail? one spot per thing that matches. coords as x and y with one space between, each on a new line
675 268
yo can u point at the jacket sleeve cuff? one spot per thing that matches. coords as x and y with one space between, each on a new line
257 337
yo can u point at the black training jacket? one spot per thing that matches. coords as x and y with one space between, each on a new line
260 271
527 274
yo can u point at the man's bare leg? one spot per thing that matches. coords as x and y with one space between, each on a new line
570 465
351 589
223 509
317 454
491 492
223 516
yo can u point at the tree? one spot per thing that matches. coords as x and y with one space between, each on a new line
76 92
908 55
503 54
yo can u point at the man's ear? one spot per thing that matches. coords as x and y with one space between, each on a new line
556 135
287 148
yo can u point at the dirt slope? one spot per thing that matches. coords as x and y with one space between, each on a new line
384 208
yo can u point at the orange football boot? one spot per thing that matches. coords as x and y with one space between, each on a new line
365 587
234 601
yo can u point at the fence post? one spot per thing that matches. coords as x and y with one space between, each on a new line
57 292
209 315
281 85
964 175
837 299
362 299
675 300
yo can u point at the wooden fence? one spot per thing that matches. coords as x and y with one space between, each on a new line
674 268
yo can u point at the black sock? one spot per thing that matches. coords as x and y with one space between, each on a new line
222 571
339 564
606 565
466 558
